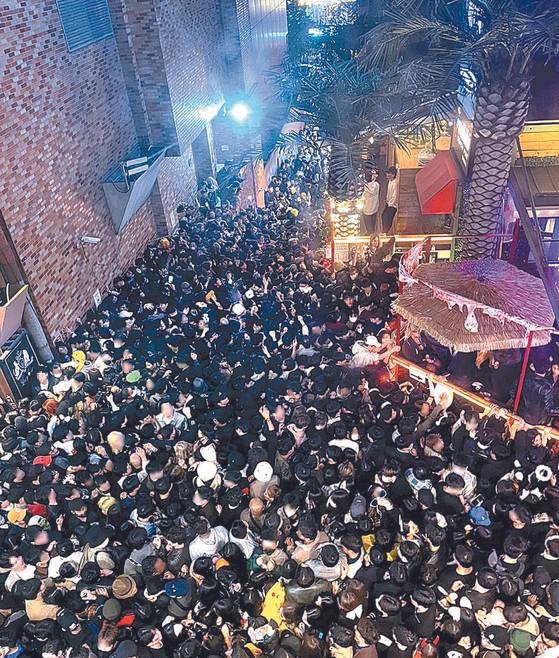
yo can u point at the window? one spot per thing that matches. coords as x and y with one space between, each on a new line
84 22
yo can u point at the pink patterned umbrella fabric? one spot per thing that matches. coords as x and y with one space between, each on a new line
474 305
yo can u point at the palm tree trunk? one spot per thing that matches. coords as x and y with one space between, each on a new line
500 114
490 174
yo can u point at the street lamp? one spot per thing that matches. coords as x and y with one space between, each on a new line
240 111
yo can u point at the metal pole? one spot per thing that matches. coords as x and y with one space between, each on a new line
523 372
514 243
428 246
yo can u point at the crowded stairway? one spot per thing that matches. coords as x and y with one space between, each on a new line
220 463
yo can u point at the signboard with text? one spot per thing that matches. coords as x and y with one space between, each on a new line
19 363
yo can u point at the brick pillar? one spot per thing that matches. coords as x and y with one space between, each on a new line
204 154
129 66
137 35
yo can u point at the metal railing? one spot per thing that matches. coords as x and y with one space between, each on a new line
422 375
441 246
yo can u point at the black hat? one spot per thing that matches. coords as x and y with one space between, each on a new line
329 555
137 537
376 433
403 441
386 411
302 472
90 572
126 649
96 535
497 635
500 450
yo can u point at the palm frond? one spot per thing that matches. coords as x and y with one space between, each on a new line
387 44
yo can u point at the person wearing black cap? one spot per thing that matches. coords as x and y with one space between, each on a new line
450 495
218 465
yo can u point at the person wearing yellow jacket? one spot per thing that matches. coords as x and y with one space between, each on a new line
273 603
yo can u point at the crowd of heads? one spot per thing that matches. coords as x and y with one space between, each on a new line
220 464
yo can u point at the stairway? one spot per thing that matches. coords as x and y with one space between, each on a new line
408 219
533 233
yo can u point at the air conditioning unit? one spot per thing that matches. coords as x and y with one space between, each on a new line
135 167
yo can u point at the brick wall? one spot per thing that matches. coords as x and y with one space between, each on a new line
138 38
65 123
190 33
176 184
68 119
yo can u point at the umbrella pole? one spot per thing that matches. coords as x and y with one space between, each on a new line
523 372
428 250
398 329
398 318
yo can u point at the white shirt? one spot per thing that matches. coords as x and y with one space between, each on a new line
14 576
211 546
177 419
371 197
361 355
247 545
392 193
56 562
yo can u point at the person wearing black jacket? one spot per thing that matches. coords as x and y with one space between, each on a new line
537 398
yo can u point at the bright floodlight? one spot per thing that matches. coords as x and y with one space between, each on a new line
240 112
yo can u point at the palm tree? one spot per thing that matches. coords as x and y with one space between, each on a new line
437 50
341 101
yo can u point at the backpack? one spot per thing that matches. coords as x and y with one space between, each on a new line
521 641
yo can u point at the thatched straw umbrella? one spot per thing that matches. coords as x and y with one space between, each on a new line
519 300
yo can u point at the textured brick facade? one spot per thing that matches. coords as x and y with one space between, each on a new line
176 184
69 119
65 123
191 38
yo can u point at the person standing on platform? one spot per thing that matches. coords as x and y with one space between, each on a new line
371 204
391 206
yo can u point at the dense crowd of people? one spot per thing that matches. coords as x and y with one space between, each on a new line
219 464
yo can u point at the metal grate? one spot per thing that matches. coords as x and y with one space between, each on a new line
84 22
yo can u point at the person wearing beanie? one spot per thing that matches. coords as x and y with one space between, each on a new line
231 466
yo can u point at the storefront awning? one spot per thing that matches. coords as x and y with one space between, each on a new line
436 184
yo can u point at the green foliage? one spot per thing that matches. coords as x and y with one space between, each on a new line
431 51
347 105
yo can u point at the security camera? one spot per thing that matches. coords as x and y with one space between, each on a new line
87 239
